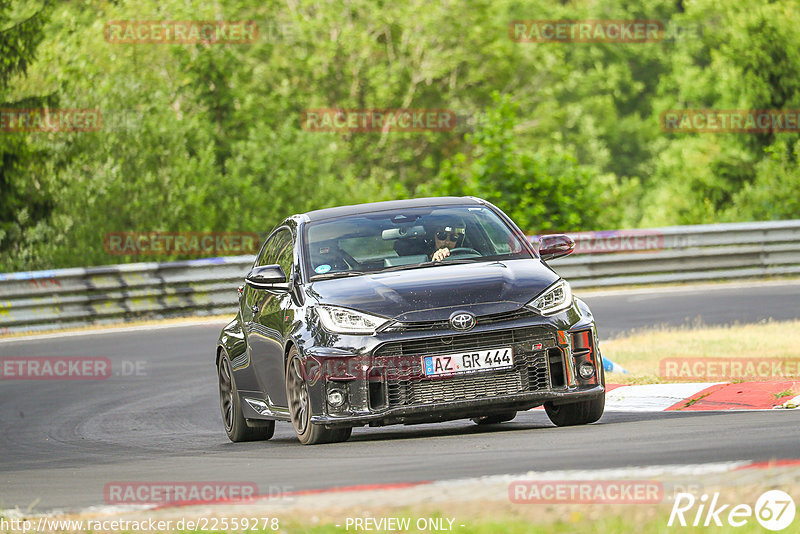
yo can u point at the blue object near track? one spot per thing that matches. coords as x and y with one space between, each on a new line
611 367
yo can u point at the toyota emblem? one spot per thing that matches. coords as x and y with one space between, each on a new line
462 321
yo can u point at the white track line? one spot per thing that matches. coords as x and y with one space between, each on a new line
115 330
794 403
683 288
652 397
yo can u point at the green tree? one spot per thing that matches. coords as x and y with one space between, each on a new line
774 194
24 199
208 137
542 190
746 59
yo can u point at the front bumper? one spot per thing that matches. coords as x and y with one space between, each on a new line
464 409
385 384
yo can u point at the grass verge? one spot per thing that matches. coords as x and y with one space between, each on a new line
641 352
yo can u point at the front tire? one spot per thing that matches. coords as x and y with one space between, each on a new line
232 417
300 407
578 413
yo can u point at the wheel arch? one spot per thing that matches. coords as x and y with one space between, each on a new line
286 350
220 348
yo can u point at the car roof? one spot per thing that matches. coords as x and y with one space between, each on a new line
358 209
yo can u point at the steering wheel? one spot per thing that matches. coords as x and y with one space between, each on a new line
459 251
350 261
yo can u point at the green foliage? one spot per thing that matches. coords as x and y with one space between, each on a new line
24 199
775 192
202 137
18 40
747 59
542 190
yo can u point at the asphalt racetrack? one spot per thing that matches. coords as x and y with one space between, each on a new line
157 418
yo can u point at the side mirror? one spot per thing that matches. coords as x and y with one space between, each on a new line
555 246
266 277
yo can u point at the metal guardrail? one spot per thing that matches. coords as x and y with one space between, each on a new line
43 300
684 254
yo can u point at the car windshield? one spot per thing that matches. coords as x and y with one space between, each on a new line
407 239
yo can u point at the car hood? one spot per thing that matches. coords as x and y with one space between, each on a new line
434 293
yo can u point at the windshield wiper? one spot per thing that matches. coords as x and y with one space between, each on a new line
339 274
342 274
428 264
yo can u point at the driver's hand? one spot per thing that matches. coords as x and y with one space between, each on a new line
441 254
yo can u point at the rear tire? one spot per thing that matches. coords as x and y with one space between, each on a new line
300 408
494 419
232 417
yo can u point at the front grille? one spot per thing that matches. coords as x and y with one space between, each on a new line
407 385
505 316
462 342
421 326
538 375
457 388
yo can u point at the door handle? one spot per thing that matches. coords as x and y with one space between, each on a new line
254 308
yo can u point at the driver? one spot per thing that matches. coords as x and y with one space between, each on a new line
445 238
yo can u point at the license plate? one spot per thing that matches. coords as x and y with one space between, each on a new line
468 362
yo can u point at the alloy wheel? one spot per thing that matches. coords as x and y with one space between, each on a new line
226 393
298 396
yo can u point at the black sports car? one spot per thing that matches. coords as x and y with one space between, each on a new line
408 311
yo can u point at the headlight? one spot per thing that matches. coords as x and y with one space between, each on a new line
554 299
344 321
